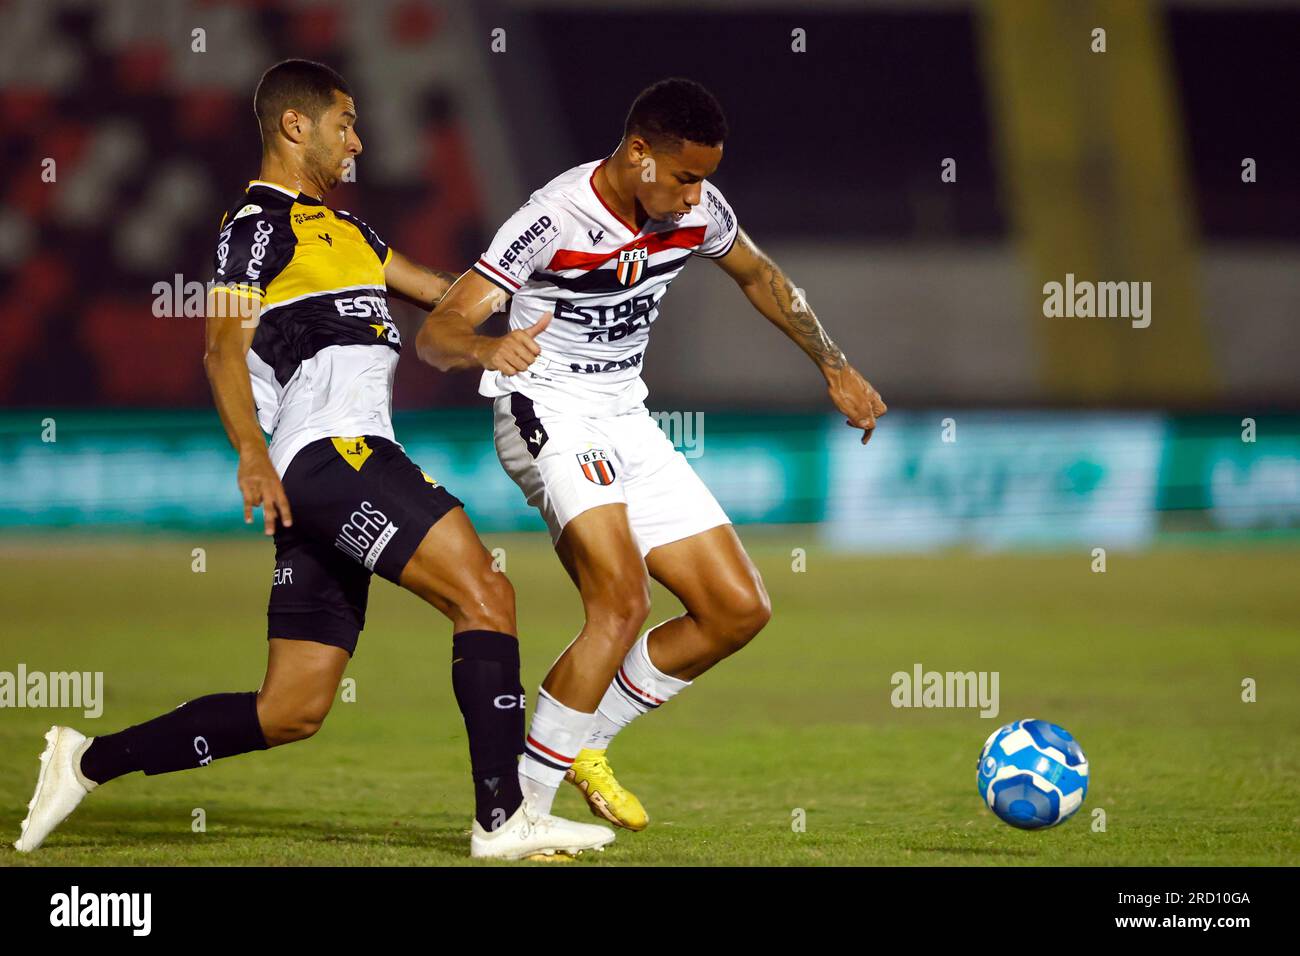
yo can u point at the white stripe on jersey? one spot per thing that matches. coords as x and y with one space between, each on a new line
567 253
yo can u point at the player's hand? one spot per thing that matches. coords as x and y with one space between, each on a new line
854 396
513 353
260 485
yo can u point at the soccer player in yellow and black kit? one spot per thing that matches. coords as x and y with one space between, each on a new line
299 338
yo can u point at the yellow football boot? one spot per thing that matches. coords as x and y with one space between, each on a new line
607 797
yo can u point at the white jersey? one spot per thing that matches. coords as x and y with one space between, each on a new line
566 252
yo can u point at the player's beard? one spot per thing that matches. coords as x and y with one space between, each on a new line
322 165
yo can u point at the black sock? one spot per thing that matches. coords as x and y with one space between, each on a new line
485 677
193 735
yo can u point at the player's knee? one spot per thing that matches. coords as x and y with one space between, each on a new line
620 611
740 615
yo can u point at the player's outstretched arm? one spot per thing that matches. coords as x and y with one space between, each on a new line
231 322
449 340
415 283
782 304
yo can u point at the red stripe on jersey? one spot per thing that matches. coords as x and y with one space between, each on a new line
500 273
655 242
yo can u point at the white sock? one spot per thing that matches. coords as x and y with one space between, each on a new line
638 688
554 739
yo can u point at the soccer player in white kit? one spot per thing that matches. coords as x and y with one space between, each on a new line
586 262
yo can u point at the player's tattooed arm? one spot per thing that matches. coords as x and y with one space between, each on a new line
783 304
415 283
780 301
229 335
449 340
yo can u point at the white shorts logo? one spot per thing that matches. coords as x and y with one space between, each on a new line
365 534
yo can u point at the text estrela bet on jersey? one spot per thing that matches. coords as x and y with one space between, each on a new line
568 253
325 351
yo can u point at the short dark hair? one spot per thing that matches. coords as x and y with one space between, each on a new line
295 84
676 110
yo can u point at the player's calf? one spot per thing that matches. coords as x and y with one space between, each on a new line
566 703
454 572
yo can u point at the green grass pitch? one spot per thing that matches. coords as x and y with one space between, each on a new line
1143 663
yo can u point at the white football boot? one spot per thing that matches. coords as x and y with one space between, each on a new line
59 788
529 833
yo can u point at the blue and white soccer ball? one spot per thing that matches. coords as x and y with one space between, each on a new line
1032 774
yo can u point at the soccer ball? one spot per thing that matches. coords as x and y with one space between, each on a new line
1032 774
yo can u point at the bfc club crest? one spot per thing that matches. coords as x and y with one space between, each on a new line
596 467
631 265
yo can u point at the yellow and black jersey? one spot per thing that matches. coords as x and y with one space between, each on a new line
325 350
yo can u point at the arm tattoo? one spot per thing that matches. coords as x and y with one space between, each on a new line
446 277
801 322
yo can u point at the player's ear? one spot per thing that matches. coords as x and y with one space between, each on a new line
294 125
637 150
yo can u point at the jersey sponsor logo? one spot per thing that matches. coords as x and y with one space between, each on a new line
596 236
300 217
261 236
589 368
365 534
223 248
509 701
524 243
602 316
283 573
249 210
631 265
609 323
596 467
370 307
720 213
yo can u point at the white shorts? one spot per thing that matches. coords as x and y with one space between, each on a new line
568 464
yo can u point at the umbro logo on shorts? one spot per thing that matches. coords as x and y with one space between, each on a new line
530 428
596 467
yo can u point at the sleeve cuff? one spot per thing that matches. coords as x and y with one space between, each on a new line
719 255
240 289
487 272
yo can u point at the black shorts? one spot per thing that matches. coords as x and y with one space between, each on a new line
360 506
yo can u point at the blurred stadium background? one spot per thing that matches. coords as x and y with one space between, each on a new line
1125 165
1177 444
